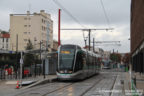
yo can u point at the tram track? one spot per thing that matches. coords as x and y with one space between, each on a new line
71 85
67 86
30 91
102 86
58 89
91 87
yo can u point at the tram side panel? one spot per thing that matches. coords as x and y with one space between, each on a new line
85 65
79 66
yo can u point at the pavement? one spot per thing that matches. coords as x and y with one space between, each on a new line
122 85
129 88
9 86
139 87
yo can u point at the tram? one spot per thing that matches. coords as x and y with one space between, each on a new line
75 63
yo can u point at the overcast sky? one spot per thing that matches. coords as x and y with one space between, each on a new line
88 12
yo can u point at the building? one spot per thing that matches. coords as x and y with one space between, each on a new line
99 51
106 55
55 45
137 35
87 48
4 41
36 27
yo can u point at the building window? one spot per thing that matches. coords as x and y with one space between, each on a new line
25 32
25 40
42 27
25 18
3 39
42 20
27 25
7 40
7 46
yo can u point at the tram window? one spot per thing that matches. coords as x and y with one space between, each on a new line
79 62
66 58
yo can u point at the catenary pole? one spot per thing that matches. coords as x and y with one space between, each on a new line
16 55
59 17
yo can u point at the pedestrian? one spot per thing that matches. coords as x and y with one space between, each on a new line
102 65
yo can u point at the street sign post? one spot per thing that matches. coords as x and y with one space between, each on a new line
21 64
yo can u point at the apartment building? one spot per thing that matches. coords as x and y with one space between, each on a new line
36 27
55 45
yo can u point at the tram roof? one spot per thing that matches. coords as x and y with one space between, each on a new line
89 52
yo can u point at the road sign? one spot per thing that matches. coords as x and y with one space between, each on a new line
21 61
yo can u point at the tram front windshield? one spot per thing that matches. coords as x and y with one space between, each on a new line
66 58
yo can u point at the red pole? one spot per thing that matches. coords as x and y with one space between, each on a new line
59 13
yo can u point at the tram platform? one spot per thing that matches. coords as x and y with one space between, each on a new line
36 80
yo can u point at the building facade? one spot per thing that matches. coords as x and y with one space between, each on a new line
55 45
4 41
36 27
137 35
106 55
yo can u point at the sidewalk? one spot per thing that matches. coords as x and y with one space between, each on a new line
41 80
139 82
121 86
9 86
137 90
35 79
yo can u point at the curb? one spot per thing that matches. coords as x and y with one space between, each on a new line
44 81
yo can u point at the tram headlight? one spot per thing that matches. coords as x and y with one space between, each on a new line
69 71
61 71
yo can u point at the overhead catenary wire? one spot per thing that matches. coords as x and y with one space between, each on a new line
66 11
106 16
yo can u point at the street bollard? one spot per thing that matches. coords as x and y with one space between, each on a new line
17 86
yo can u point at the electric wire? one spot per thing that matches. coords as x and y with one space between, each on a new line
66 11
56 2
106 16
